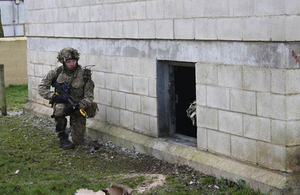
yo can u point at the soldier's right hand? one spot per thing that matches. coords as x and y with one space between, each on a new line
59 99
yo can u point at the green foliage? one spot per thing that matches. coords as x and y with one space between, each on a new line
195 183
16 96
131 182
207 180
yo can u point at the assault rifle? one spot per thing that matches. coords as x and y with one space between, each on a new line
63 90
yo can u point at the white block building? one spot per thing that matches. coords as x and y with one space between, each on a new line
12 17
154 57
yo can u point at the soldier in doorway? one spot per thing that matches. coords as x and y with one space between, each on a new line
81 89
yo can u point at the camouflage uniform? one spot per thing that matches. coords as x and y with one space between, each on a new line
82 90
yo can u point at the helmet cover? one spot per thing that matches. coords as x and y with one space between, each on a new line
68 53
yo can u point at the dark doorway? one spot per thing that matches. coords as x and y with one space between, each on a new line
176 90
183 93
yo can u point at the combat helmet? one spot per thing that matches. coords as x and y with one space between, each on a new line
67 53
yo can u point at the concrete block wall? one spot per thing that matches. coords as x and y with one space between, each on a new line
14 57
249 113
246 80
12 18
248 104
39 63
166 19
125 88
123 92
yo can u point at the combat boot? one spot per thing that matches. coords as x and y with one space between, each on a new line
65 143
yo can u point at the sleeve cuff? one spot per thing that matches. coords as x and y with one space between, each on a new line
81 105
50 95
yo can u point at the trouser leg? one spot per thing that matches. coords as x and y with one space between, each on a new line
60 128
61 123
77 123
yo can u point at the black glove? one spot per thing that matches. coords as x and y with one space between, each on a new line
69 108
59 99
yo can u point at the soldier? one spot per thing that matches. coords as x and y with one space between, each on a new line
81 89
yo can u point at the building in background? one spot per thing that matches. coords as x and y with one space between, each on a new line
13 18
155 57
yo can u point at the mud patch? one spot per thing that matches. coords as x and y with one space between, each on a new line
153 180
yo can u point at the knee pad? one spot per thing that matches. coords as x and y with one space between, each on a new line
61 123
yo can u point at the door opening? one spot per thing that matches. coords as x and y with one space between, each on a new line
182 94
176 90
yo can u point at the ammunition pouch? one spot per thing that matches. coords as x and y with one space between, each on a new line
91 111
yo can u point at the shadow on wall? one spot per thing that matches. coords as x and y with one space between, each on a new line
13 55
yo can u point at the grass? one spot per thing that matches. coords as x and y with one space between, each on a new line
32 163
46 169
16 96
